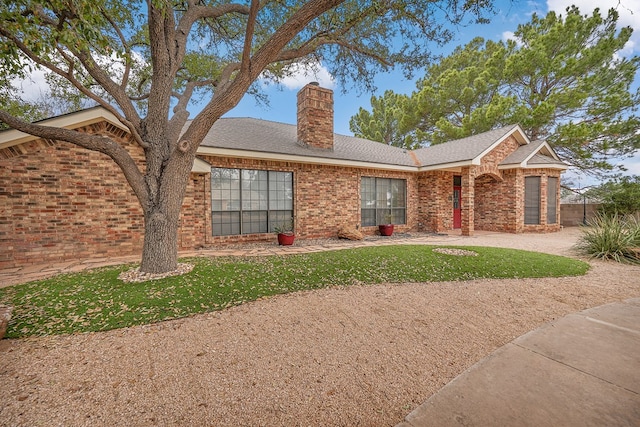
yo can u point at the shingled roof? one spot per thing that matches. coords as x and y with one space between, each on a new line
467 150
262 136
256 138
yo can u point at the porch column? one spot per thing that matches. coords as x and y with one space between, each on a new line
468 201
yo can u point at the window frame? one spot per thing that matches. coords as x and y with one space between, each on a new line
259 205
552 200
372 192
532 202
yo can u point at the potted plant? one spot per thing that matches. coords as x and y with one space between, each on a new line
387 228
285 233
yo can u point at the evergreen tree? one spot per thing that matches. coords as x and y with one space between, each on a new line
562 78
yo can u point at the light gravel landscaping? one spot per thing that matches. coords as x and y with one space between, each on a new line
345 356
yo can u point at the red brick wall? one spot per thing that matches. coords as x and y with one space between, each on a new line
435 207
326 197
496 203
58 202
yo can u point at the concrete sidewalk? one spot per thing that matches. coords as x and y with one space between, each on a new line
581 370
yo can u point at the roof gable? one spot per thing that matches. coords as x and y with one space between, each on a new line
536 154
469 150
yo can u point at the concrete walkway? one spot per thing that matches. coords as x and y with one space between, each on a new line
579 371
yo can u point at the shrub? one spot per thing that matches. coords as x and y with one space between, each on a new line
612 236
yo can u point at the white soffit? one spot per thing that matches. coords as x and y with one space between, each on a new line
75 120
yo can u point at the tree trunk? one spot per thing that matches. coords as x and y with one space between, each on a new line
162 216
160 250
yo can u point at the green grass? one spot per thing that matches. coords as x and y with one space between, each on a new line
97 300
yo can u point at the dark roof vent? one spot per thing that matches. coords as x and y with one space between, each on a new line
314 83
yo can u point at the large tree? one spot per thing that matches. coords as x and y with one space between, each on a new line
146 62
386 121
563 78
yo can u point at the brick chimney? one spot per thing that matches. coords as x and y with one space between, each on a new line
315 117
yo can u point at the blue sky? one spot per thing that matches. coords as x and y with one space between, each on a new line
282 98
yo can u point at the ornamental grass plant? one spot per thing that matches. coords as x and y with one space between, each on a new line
612 237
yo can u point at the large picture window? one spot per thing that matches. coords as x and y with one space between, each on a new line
383 201
245 201
532 200
552 200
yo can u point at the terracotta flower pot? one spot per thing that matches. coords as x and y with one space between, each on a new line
286 239
386 229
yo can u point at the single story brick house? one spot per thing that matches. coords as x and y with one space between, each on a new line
61 202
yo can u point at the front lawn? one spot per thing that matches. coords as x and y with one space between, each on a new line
97 300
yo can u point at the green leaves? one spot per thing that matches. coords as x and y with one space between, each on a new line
562 78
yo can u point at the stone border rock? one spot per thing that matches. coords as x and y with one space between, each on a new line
5 316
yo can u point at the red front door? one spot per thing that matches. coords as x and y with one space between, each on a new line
457 203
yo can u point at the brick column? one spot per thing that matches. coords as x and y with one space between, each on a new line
468 200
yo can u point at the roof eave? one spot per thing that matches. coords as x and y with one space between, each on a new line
259 155
12 137
524 165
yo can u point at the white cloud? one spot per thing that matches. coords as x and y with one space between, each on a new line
301 74
628 10
32 88
510 35
632 164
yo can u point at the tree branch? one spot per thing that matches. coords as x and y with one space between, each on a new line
99 143
246 51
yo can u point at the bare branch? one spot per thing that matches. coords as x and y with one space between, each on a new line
251 23
125 45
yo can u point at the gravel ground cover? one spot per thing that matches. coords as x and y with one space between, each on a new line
347 356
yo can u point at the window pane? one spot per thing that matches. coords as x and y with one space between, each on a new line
280 219
398 216
383 193
280 190
398 193
552 193
532 200
225 186
225 223
254 222
368 217
254 190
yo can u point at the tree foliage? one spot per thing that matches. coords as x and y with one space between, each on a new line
387 120
619 196
562 78
147 62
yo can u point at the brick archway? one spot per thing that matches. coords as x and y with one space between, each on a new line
491 192
491 171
